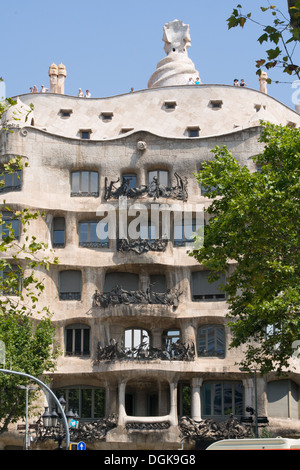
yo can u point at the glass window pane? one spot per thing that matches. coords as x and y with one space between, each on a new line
130 180
99 403
151 175
228 405
163 177
86 341
59 237
94 182
84 232
93 233
75 182
73 400
206 399
69 345
77 341
238 398
86 403
85 181
217 399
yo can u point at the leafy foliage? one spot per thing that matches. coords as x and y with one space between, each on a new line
281 34
254 223
26 332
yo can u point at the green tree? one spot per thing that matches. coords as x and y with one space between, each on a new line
27 334
282 32
254 224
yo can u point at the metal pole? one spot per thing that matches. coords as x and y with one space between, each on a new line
256 411
43 385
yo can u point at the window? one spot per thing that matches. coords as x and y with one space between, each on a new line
202 289
160 176
11 280
129 179
283 398
70 285
88 402
84 183
211 340
193 131
183 232
58 232
170 104
106 116
89 231
158 283
222 399
170 338
77 340
136 340
127 281
10 181
85 133
10 225
215 104
65 113
124 130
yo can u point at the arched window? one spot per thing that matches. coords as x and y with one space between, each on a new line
211 341
77 340
88 402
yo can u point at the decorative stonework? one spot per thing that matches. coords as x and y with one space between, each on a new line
120 296
141 245
153 189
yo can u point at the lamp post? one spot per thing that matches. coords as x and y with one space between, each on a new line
50 420
27 388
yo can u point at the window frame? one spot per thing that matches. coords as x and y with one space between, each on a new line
92 244
211 352
81 193
69 295
85 343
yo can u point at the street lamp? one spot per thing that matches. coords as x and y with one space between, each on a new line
50 420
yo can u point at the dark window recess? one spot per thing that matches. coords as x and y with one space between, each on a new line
193 131
202 289
59 232
211 341
85 183
161 176
85 134
77 340
93 234
70 285
127 281
10 181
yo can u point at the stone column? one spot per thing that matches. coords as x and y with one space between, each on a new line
122 411
196 398
173 402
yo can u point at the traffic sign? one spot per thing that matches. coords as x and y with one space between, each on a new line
81 446
73 423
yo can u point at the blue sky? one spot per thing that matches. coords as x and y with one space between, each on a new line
111 46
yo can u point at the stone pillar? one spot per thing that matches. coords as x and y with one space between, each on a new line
248 393
173 402
196 398
62 73
122 411
53 74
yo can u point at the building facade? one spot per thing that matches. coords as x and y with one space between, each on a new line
143 332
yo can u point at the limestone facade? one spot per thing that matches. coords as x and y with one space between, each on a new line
76 147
